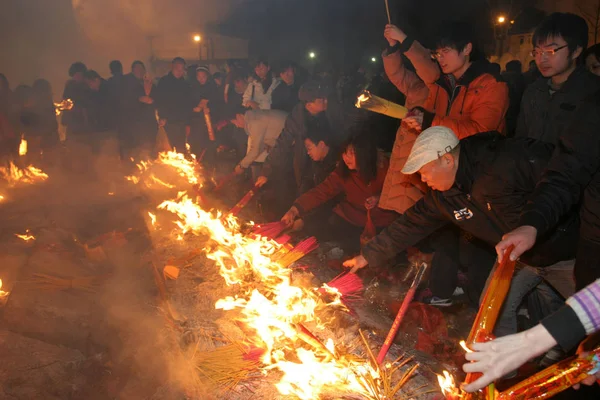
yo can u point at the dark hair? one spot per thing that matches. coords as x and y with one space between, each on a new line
137 62
318 134
260 60
592 50
115 67
42 87
514 66
23 93
495 68
572 28
284 66
455 35
365 151
77 67
91 74
178 60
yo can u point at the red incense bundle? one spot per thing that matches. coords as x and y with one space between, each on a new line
401 312
349 285
300 250
270 230
244 201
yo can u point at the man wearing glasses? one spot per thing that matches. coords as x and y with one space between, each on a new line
548 105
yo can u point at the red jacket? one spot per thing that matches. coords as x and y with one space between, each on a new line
352 207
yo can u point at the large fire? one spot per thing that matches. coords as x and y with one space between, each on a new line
15 175
274 310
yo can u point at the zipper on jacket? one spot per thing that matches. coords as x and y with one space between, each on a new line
451 99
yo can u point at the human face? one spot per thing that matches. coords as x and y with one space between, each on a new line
317 152
178 70
288 76
349 157
138 71
201 77
239 121
262 70
440 173
240 85
78 77
317 106
93 84
558 65
593 64
453 61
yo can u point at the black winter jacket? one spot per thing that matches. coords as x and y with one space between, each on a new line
546 116
495 177
574 170
174 99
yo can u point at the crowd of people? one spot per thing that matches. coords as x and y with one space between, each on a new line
483 159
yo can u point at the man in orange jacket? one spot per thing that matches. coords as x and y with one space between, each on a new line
452 88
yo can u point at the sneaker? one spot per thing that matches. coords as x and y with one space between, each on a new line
437 302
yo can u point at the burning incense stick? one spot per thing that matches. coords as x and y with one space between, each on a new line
489 310
554 379
244 201
387 9
379 105
401 312
303 248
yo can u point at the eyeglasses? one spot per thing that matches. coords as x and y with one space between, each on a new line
436 55
547 53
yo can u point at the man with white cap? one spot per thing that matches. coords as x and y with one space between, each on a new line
480 184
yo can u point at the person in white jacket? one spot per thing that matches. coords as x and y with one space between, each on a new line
263 127
258 94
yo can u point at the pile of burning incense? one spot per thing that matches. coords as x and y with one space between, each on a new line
554 379
376 104
350 286
300 250
226 366
270 230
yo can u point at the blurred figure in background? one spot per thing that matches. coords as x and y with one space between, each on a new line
206 104
516 87
258 94
285 95
174 104
76 90
43 107
592 59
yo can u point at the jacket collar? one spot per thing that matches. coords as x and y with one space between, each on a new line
475 70
580 79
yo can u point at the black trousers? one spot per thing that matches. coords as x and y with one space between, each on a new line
176 134
455 250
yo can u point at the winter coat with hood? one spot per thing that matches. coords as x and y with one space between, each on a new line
256 91
495 178
477 102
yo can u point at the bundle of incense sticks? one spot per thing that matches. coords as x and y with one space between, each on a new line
244 201
376 104
270 230
283 239
209 127
490 307
299 251
554 379
349 285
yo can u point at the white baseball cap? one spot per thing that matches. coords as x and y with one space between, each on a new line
430 145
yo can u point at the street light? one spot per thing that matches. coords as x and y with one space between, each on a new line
501 19
312 54
197 38
373 59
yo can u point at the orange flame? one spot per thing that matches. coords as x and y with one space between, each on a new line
361 99
3 294
14 175
23 146
66 104
26 236
152 218
447 386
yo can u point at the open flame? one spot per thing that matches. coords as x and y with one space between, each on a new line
23 146
274 309
15 175
448 386
463 344
361 99
66 104
3 294
27 236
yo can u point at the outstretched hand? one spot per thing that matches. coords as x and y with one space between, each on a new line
523 238
355 263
